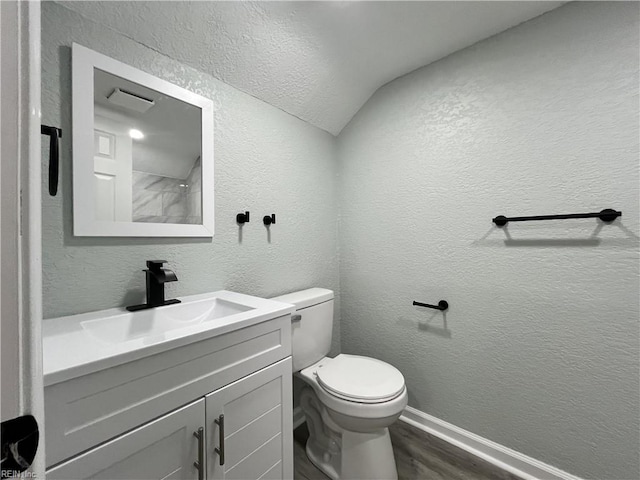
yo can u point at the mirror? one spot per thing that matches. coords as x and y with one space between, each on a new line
146 159
142 152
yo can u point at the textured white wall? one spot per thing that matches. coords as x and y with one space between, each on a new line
266 161
539 349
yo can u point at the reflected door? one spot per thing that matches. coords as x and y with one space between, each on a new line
112 170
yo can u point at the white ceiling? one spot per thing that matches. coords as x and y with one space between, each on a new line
319 61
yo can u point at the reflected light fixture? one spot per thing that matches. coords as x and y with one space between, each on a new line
136 134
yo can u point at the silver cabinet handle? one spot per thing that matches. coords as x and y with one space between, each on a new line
220 451
200 463
296 317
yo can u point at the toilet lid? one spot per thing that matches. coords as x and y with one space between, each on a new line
360 379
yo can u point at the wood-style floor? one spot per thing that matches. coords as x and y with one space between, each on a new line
419 456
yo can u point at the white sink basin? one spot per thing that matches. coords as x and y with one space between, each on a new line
157 322
80 344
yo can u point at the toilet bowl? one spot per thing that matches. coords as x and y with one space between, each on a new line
348 401
356 417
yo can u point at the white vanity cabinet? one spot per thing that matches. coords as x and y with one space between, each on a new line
137 420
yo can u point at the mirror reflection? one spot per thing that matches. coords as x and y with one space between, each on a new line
147 154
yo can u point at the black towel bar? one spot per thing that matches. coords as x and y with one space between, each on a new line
607 215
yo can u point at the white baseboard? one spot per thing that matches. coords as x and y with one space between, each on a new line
298 417
517 463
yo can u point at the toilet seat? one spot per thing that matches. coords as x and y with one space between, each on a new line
360 379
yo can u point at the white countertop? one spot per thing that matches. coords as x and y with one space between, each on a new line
71 347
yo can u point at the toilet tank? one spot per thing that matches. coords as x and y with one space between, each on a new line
311 325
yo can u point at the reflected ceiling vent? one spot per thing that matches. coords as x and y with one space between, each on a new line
130 100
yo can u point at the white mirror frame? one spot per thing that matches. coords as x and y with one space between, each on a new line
84 61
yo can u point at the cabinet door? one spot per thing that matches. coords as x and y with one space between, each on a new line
250 427
164 448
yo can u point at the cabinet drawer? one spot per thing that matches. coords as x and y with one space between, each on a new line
163 448
89 410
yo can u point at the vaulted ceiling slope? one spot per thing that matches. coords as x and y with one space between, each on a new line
319 61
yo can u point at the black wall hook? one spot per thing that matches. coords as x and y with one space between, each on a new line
242 218
268 220
54 156
442 305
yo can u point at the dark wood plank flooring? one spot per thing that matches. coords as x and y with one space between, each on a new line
419 456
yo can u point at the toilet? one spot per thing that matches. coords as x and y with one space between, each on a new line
348 401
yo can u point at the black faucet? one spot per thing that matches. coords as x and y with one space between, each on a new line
156 278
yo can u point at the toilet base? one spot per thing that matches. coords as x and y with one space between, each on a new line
329 464
323 445
363 456
368 456
343 454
